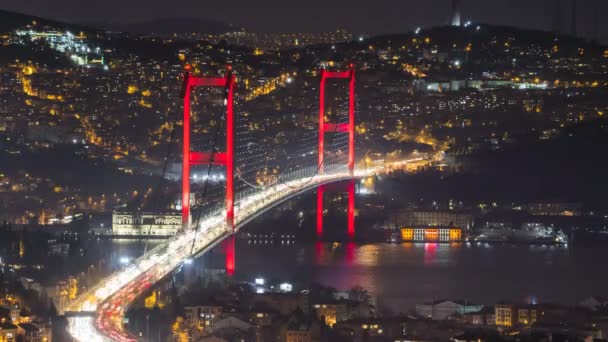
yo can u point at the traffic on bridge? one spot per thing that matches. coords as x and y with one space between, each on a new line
97 315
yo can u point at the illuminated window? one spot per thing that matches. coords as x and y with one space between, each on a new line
431 234
455 234
407 234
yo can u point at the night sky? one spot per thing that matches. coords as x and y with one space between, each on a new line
359 16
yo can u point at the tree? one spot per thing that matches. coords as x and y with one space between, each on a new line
359 294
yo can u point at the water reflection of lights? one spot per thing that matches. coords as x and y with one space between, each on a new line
455 245
367 255
170 254
319 252
430 253
350 253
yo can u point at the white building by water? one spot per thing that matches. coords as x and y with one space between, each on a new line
144 224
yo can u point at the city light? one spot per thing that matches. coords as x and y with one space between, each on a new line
123 120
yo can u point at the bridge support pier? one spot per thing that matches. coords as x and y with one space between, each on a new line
349 128
349 188
230 255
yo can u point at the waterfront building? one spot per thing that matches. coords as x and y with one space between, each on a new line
139 224
434 218
431 234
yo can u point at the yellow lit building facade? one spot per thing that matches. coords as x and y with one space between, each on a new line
331 313
431 234
526 316
504 315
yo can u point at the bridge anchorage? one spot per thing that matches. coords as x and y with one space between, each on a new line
226 158
325 127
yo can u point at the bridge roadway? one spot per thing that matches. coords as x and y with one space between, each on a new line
97 315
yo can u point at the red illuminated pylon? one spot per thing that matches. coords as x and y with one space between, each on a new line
342 128
350 210
332 127
230 255
226 158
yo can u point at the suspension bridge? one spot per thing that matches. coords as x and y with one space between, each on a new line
97 314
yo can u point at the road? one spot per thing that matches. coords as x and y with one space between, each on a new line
97 315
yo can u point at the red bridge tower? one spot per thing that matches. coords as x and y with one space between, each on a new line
342 128
225 158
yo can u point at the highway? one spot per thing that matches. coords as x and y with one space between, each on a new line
97 315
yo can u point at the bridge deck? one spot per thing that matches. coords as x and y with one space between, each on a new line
111 298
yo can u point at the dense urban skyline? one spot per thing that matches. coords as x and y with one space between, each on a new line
177 184
385 16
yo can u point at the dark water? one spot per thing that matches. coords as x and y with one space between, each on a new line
400 275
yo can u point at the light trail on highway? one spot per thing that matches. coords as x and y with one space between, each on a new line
97 315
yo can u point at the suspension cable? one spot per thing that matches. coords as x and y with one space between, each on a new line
162 179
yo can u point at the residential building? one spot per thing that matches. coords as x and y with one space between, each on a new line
504 315
483 317
8 332
331 313
233 329
203 316
555 209
282 303
444 309
527 315
34 333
